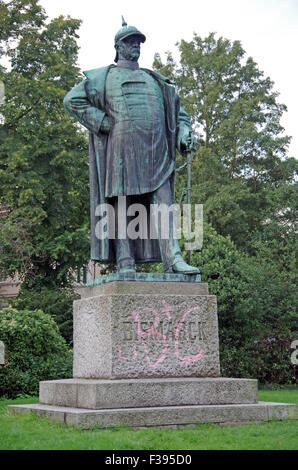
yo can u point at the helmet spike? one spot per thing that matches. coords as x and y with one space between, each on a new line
123 22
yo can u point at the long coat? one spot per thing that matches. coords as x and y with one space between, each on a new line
86 102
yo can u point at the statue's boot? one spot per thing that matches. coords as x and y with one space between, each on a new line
125 259
126 266
126 270
181 267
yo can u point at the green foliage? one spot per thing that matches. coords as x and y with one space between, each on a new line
236 116
58 303
34 351
256 310
43 153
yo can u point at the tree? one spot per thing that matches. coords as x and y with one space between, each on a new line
256 309
43 153
246 182
236 115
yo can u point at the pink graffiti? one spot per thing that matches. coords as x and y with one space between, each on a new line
126 358
151 332
166 308
122 357
186 359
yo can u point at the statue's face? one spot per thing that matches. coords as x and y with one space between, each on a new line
129 48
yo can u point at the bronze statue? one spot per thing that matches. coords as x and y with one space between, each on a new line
135 123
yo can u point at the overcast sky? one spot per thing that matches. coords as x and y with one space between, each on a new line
267 29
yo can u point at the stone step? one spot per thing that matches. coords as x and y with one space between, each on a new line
135 393
163 416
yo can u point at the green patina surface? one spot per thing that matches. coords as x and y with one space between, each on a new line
136 124
145 277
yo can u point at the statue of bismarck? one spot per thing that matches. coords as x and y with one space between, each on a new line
135 123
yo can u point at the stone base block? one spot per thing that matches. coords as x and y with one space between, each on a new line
136 393
163 416
141 330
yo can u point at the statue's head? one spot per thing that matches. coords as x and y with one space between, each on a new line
127 42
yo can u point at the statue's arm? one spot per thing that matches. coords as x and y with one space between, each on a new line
79 106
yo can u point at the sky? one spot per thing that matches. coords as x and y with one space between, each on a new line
267 29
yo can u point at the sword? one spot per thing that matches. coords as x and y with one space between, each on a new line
189 159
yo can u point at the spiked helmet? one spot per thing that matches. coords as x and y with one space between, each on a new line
125 32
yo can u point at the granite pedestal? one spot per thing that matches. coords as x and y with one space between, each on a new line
146 354
138 330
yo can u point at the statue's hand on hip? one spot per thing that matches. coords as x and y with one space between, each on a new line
106 125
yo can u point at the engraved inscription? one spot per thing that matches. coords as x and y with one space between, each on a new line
156 333
190 331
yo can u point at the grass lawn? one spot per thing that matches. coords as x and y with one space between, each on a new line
27 431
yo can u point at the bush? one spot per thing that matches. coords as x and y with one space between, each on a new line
56 302
34 351
256 310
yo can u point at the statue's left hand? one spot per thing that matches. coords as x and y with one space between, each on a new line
187 143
